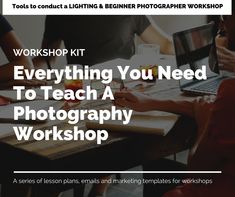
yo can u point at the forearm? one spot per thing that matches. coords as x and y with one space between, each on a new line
177 107
7 70
142 103
167 47
166 44
41 62
155 35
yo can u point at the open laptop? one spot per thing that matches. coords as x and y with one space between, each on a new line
194 48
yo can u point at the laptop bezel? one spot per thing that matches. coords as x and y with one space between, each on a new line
211 25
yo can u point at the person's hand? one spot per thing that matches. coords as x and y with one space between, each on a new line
27 83
202 107
226 59
202 110
133 100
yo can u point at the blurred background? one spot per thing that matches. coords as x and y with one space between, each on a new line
30 28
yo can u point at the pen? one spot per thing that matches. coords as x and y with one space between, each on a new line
122 86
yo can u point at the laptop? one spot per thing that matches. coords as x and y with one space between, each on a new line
194 48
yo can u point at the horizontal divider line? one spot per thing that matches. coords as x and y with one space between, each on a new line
114 172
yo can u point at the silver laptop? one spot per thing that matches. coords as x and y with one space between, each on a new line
194 48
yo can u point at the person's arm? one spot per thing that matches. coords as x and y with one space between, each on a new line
154 35
220 140
52 39
226 58
44 62
140 102
199 108
8 42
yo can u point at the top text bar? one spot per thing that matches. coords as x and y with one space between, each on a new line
116 7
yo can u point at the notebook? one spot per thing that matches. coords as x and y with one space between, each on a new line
157 123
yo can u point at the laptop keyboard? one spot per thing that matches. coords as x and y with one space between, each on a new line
210 87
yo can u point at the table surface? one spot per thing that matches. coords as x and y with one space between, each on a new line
52 150
131 149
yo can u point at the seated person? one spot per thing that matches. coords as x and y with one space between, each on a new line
226 54
225 42
214 148
8 42
103 37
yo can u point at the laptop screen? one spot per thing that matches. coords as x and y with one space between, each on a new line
194 48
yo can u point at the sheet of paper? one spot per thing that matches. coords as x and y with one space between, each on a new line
12 95
7 111
6 130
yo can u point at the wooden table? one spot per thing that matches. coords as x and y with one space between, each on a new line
119 152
